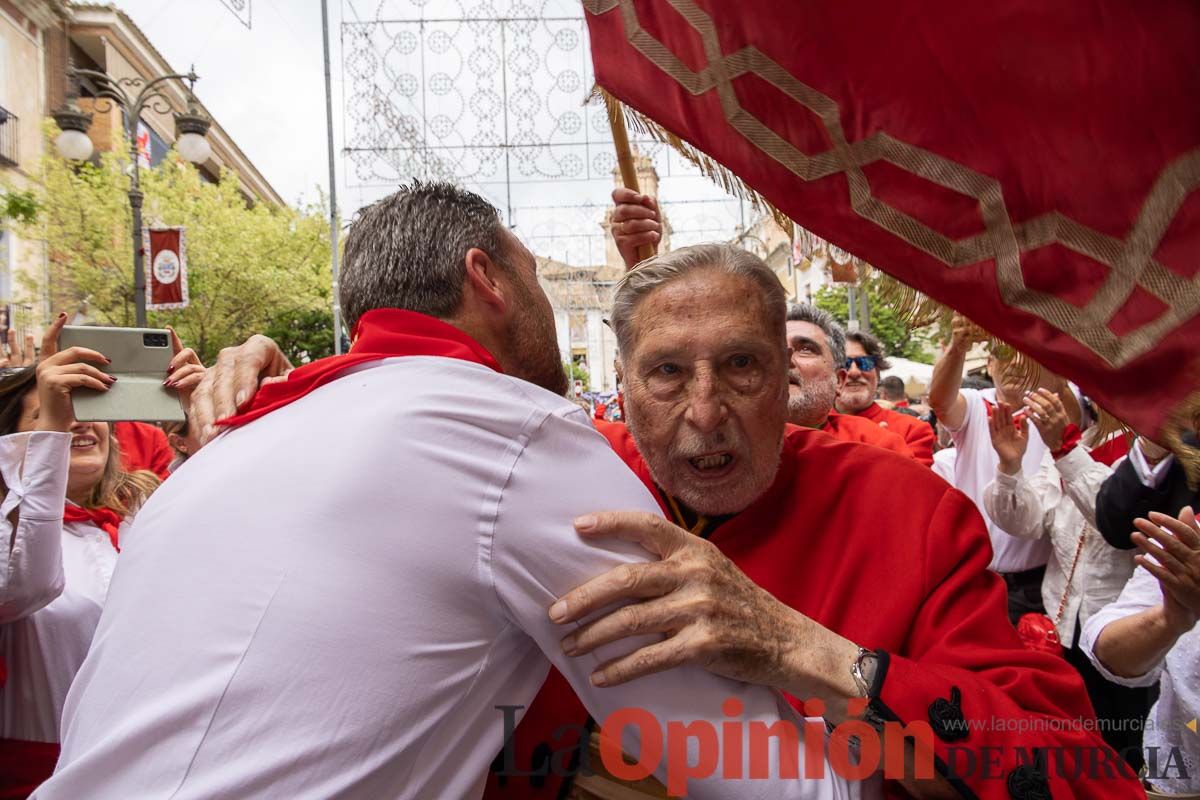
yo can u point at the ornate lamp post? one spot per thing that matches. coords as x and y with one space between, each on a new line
133 95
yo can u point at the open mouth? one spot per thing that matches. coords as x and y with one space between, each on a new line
712 465
83 442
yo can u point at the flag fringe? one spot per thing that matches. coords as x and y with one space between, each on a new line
711 169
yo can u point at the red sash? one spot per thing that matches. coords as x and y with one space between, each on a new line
104 518
380 333
24 766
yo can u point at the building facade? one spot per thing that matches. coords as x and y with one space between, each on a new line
39 39
582 296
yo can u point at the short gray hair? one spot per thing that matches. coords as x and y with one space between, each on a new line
835 336
408 249
663 269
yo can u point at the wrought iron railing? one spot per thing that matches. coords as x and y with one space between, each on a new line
8 137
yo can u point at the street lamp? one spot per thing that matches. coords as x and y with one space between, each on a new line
132 95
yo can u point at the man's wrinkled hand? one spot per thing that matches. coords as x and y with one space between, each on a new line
711 614
230 383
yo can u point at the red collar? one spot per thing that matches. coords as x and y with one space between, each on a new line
103 518
380 333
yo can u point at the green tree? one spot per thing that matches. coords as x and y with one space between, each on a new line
899 339
303 334
250 267
578 372
19 206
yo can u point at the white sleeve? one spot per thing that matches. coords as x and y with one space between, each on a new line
1012 504
34 466
976 411
1141 592
567 469
1081 477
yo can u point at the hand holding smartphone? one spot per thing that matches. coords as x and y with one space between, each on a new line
139 358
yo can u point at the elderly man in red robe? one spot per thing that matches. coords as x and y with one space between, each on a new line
852 579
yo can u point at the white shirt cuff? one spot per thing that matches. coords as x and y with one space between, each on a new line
35 466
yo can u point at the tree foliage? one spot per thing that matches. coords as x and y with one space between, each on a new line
898 338
246 263
19 206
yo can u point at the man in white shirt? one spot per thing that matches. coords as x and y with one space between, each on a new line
964 412
357 635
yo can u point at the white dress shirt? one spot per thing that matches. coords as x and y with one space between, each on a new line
53 579
975 467
1179 693
337 598
1067 490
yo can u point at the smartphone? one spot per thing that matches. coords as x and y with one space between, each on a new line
140 357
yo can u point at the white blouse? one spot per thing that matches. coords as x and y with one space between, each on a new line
1060 503
53 581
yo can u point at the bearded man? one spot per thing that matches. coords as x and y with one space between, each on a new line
857 389
792 559
818 346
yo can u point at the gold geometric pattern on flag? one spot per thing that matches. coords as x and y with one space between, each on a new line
1130 261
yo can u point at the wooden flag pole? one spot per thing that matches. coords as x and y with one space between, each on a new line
616 121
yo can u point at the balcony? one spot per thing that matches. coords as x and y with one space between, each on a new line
8 138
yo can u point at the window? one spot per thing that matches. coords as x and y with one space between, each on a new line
6 261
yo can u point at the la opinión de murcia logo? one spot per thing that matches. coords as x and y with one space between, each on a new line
855 750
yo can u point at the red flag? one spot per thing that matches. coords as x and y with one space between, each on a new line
1033 165
166 268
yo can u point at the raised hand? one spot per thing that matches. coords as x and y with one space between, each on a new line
58 374
1009 439
635 222
1175 545
15 355
1049 416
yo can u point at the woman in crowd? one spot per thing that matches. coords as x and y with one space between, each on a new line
1084 573
66 508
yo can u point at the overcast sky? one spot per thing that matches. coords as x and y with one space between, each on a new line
265 85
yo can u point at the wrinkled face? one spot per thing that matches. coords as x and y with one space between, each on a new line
89 447
534 342
812 379
858 389
706 390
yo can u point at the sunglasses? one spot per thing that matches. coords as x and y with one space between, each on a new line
864 363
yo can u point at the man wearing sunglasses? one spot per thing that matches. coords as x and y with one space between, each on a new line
858 382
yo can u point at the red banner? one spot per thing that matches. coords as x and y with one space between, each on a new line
1033 165
166 268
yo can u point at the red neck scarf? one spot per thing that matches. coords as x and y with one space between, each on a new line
106 519
380 333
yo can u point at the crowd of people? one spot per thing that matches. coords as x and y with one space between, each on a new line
420 570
